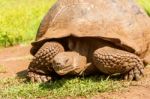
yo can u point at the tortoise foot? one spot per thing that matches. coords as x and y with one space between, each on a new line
34 77
135 74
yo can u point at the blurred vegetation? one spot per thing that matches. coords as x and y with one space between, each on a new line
145 4
19 19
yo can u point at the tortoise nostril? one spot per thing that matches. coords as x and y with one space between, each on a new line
66 61
57 64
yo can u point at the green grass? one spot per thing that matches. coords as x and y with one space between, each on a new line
145 4
19 19
72 87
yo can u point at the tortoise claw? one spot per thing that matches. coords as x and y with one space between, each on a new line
131 73
134 74
34 77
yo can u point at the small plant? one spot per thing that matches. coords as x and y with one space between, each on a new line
2 69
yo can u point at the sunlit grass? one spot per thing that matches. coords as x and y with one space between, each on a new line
145 4
19 19
72 87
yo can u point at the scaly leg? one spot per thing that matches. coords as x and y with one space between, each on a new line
40 67
111 60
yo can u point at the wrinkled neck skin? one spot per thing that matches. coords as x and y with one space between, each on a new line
86 47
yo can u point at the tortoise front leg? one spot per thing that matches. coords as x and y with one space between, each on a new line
40 67
111 60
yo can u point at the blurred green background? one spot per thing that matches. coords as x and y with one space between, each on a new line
19 19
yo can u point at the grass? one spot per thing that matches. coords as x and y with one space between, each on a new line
145 4
72 87
19 19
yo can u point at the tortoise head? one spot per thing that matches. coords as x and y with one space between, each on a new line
69 63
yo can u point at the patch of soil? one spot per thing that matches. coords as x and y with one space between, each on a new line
136 90
16 60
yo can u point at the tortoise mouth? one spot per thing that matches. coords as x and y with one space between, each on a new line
61 67
65 70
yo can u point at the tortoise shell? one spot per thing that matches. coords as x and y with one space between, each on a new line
121 22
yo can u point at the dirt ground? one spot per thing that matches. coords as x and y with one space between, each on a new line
16 59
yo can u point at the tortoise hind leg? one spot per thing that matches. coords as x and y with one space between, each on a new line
40 67
111 60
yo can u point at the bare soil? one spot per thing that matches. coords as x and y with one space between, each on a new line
16 59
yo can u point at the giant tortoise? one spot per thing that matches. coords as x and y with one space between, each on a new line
84 37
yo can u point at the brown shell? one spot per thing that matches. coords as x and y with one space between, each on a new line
122 22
